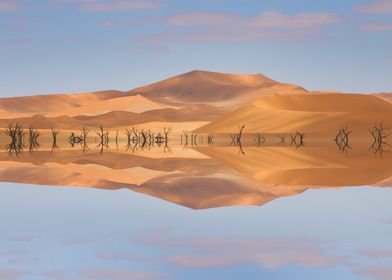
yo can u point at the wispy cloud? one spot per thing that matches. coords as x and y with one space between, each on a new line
380 253
382 273
226 27
380 6
377 27
118 274
9 6
109 6
269 19
11 274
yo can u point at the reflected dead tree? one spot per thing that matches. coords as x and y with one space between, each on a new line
80 139
259 139
54 139
116 139
85 132
342 139
128 133
33 139
297 139
103 139
282 139
190 139
194 139
16 133
167 132
184 138
380 136
210 139
236 139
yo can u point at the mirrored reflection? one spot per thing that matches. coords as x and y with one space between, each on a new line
195 169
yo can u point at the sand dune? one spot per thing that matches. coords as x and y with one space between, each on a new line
311 114
190 97
117 118
55 105
223 90
385 96
194 96
224 178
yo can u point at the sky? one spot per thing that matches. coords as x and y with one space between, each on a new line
64 233
66 46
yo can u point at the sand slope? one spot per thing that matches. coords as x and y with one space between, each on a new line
312 114
224 90
193 96
385 96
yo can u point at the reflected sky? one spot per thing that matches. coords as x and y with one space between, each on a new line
78 233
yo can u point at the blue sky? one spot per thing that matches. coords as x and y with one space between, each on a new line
79 233
87 45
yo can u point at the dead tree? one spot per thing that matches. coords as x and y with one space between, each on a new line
16 133
184 138
167 132
259 139
342 139
84 134
236 139
380 136
193 139
297 139
103 138
282 139
210 139
128 133
54 139
74 139
117 139
33 139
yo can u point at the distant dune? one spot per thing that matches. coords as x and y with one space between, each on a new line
225 90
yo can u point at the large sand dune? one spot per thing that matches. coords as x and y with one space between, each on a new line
194 96
312 114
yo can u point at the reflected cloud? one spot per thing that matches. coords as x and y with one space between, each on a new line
210 252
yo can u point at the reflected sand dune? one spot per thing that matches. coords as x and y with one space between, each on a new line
216 176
